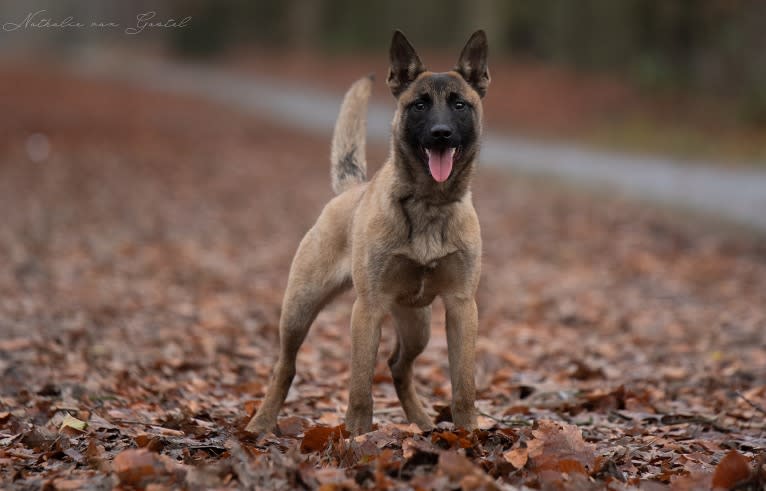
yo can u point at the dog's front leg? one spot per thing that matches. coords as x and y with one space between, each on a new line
366 319
462 324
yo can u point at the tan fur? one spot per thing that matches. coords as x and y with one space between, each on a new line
347 153
401 241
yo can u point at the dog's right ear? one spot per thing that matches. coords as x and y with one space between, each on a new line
405 64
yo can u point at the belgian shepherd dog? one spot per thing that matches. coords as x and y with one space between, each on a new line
401 239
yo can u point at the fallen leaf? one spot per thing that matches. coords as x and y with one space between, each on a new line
292 426
251 406
316 439
71 423
15 344
408 448
560 447
39 438
168 431
75 455
408 429
150 442
94 454
732 470
330 419
332 479
465 472
69 484
517 457
413 446
135 467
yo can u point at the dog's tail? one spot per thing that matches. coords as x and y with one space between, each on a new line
347 154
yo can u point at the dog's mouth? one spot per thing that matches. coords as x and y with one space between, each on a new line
440 161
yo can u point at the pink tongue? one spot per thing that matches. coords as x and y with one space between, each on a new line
440 163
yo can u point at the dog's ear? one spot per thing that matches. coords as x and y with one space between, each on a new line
472 65
405 64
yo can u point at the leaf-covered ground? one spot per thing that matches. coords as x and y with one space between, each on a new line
142 263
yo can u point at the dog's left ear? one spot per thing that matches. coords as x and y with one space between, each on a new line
472 65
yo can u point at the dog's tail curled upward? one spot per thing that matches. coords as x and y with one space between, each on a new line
347 154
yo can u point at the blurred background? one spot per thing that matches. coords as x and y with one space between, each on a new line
681 77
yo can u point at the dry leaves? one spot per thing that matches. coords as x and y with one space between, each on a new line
318 438
560 447
141 274
141 467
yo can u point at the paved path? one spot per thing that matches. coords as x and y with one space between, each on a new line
738 195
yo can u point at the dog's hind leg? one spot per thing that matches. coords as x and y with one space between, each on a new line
318 274
413 328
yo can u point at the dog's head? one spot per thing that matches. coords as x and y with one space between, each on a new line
438 119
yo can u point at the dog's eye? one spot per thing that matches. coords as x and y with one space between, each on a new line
459 105
419 106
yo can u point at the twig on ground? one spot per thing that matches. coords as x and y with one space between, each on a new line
752 404
506 421
132 422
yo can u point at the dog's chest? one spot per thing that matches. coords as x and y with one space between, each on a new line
427 265
426 256
415 284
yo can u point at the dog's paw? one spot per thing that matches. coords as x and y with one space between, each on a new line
426 425
464 416
422 420
467 421
356 429
259 426
358 422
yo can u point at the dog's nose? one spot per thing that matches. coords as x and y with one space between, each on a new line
441 131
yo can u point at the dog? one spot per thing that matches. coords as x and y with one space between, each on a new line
408 235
